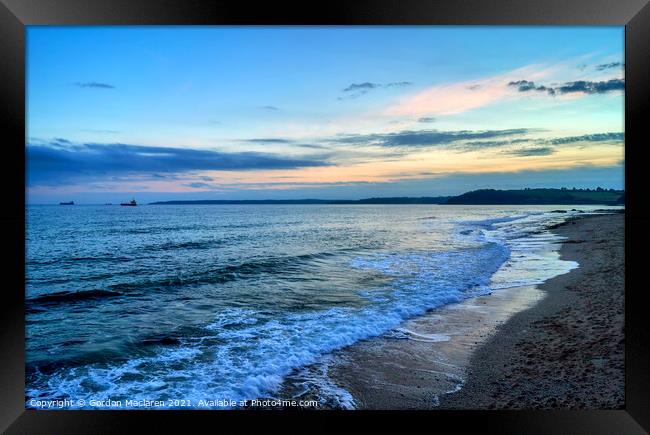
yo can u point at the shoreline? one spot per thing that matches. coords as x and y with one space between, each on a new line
567 351
554 345
430 356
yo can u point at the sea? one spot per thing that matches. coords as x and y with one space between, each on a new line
211 306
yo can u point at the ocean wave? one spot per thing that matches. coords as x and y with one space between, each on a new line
259 349
216 275
534 257
230 272
491 221
185 244
66 296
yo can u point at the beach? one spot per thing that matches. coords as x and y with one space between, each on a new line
555 345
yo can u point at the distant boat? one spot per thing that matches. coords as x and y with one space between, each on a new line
67 203
131 203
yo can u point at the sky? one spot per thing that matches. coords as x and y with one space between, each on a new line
212 112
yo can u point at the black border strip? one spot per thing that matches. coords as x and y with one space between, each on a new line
525 12
637 217
15 14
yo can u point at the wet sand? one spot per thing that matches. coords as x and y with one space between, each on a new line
557 345
568 350
428 356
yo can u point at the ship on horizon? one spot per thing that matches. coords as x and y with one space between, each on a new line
67 203
131 203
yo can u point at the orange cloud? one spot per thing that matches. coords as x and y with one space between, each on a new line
452 98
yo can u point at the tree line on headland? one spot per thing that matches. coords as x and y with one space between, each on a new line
563 196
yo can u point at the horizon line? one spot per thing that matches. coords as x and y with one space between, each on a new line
340 200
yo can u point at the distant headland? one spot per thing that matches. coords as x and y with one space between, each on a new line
565 196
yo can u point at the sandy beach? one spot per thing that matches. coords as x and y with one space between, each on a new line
568 350
556 345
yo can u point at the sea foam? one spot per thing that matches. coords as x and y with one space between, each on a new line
257 349
246 353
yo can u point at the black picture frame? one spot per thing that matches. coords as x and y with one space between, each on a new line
16 14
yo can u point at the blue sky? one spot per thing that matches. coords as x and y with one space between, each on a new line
328 112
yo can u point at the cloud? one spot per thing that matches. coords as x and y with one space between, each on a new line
269 108
449 99
423 138
458 97
604 66
312 146
283 141
595 137
398 84
356 90
164 176
198 185
525 86
473 145
548 147
529 152
427 119
95 85
54 163
462 141
268 140
361 86
592 87
582 86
